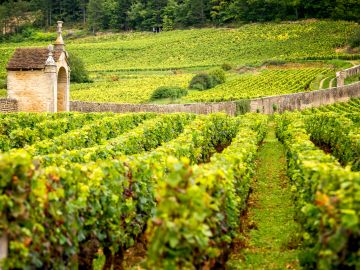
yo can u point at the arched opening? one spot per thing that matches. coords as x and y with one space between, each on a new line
62 90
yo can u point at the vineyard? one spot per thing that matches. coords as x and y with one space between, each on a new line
323 164
130 66
185 191
249 85
127 89
101 178
269 82
178 185
253 43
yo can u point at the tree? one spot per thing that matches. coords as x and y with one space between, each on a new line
155 9
109 14
95 14
83 7
137 15
146 14
168 23
171 9
78 73
347 10
123 6
4 19
220 11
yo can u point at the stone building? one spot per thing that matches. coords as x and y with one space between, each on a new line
39 78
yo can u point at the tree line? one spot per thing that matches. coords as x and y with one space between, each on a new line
167 14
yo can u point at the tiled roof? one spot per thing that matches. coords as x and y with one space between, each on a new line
31 58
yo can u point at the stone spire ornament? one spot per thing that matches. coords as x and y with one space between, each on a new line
50 64
59 43
50 60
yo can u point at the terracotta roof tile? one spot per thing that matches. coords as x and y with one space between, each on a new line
30 58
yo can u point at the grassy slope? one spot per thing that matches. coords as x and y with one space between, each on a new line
270 245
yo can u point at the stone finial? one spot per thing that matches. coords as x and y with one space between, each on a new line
59 43
50 60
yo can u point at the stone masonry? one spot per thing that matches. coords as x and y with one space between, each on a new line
266 105
8 105
39 78
342 75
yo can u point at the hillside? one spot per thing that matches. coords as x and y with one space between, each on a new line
271 183
128 65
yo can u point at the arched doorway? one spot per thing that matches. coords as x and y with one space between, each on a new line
62 90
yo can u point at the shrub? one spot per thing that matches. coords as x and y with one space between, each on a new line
3 84
242 106
226 67
274 63
355 40
202 81
78 72
275 107
172 92
168 23
28 33
218 75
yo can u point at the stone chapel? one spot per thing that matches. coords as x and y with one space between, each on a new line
39 78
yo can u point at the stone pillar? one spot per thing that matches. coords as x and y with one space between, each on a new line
340 77
51 72
68 91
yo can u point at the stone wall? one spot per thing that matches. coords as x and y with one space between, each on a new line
34 90
8 105
291 102
346 73
37 90
199 108
301 101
